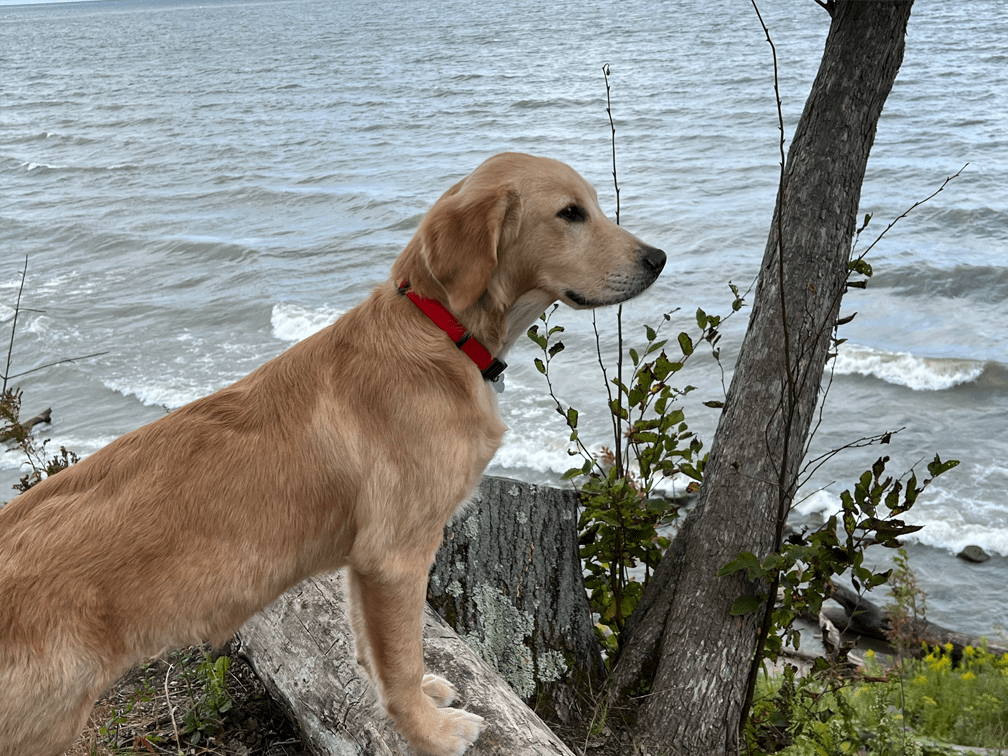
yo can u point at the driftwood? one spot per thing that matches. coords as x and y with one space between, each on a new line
508 577
301 646
859 615
45 416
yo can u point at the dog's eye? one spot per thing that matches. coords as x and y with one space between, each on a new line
573 214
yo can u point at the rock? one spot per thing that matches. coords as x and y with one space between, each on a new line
973 554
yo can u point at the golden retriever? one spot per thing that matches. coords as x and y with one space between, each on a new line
351 449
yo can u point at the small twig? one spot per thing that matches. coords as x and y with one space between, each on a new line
913 207
51 364
618 420
17 309
171 710
612 126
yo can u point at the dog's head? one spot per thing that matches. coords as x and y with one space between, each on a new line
516 235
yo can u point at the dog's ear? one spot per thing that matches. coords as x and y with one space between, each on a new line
461 237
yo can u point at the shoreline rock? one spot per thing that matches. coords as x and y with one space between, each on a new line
974 555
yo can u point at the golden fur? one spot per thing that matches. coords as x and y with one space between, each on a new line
349 450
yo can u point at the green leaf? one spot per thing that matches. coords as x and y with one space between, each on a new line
685 343
701 319
744 561
556 349
572 418
540 366
746 604
634 357
861 266
937 467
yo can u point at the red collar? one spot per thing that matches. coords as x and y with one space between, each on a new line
489 365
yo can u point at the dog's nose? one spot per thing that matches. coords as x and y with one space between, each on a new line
653 258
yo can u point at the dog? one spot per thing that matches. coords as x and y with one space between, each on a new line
352 450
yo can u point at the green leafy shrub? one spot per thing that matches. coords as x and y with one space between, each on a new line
651 443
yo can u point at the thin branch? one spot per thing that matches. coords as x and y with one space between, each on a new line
618 419
17 309
783 487
612 126
51 364
812 466
605 380
912 207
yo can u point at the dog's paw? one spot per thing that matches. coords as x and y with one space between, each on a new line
439 690
463 728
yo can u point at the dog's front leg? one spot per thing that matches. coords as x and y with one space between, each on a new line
392 608
356 612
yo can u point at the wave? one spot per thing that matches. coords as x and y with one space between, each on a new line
945 520
984 283
292 322
32 166
170 392
920 373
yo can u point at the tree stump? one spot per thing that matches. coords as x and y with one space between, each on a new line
508 578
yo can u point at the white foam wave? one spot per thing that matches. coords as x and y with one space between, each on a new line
948 520
954 537
821 503
32 166
905 369
292 322
163 392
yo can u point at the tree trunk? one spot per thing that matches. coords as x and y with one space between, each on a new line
704 654
508 577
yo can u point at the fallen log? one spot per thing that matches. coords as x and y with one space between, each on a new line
45 416
859 615
301 646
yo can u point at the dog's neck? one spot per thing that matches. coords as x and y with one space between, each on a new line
490 367
521 315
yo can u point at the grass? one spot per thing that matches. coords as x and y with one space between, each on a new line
190 702
919 706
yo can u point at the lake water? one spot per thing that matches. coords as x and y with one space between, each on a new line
199 185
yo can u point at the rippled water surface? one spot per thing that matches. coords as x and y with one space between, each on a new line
196 186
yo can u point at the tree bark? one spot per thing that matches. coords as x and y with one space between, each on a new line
703 654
